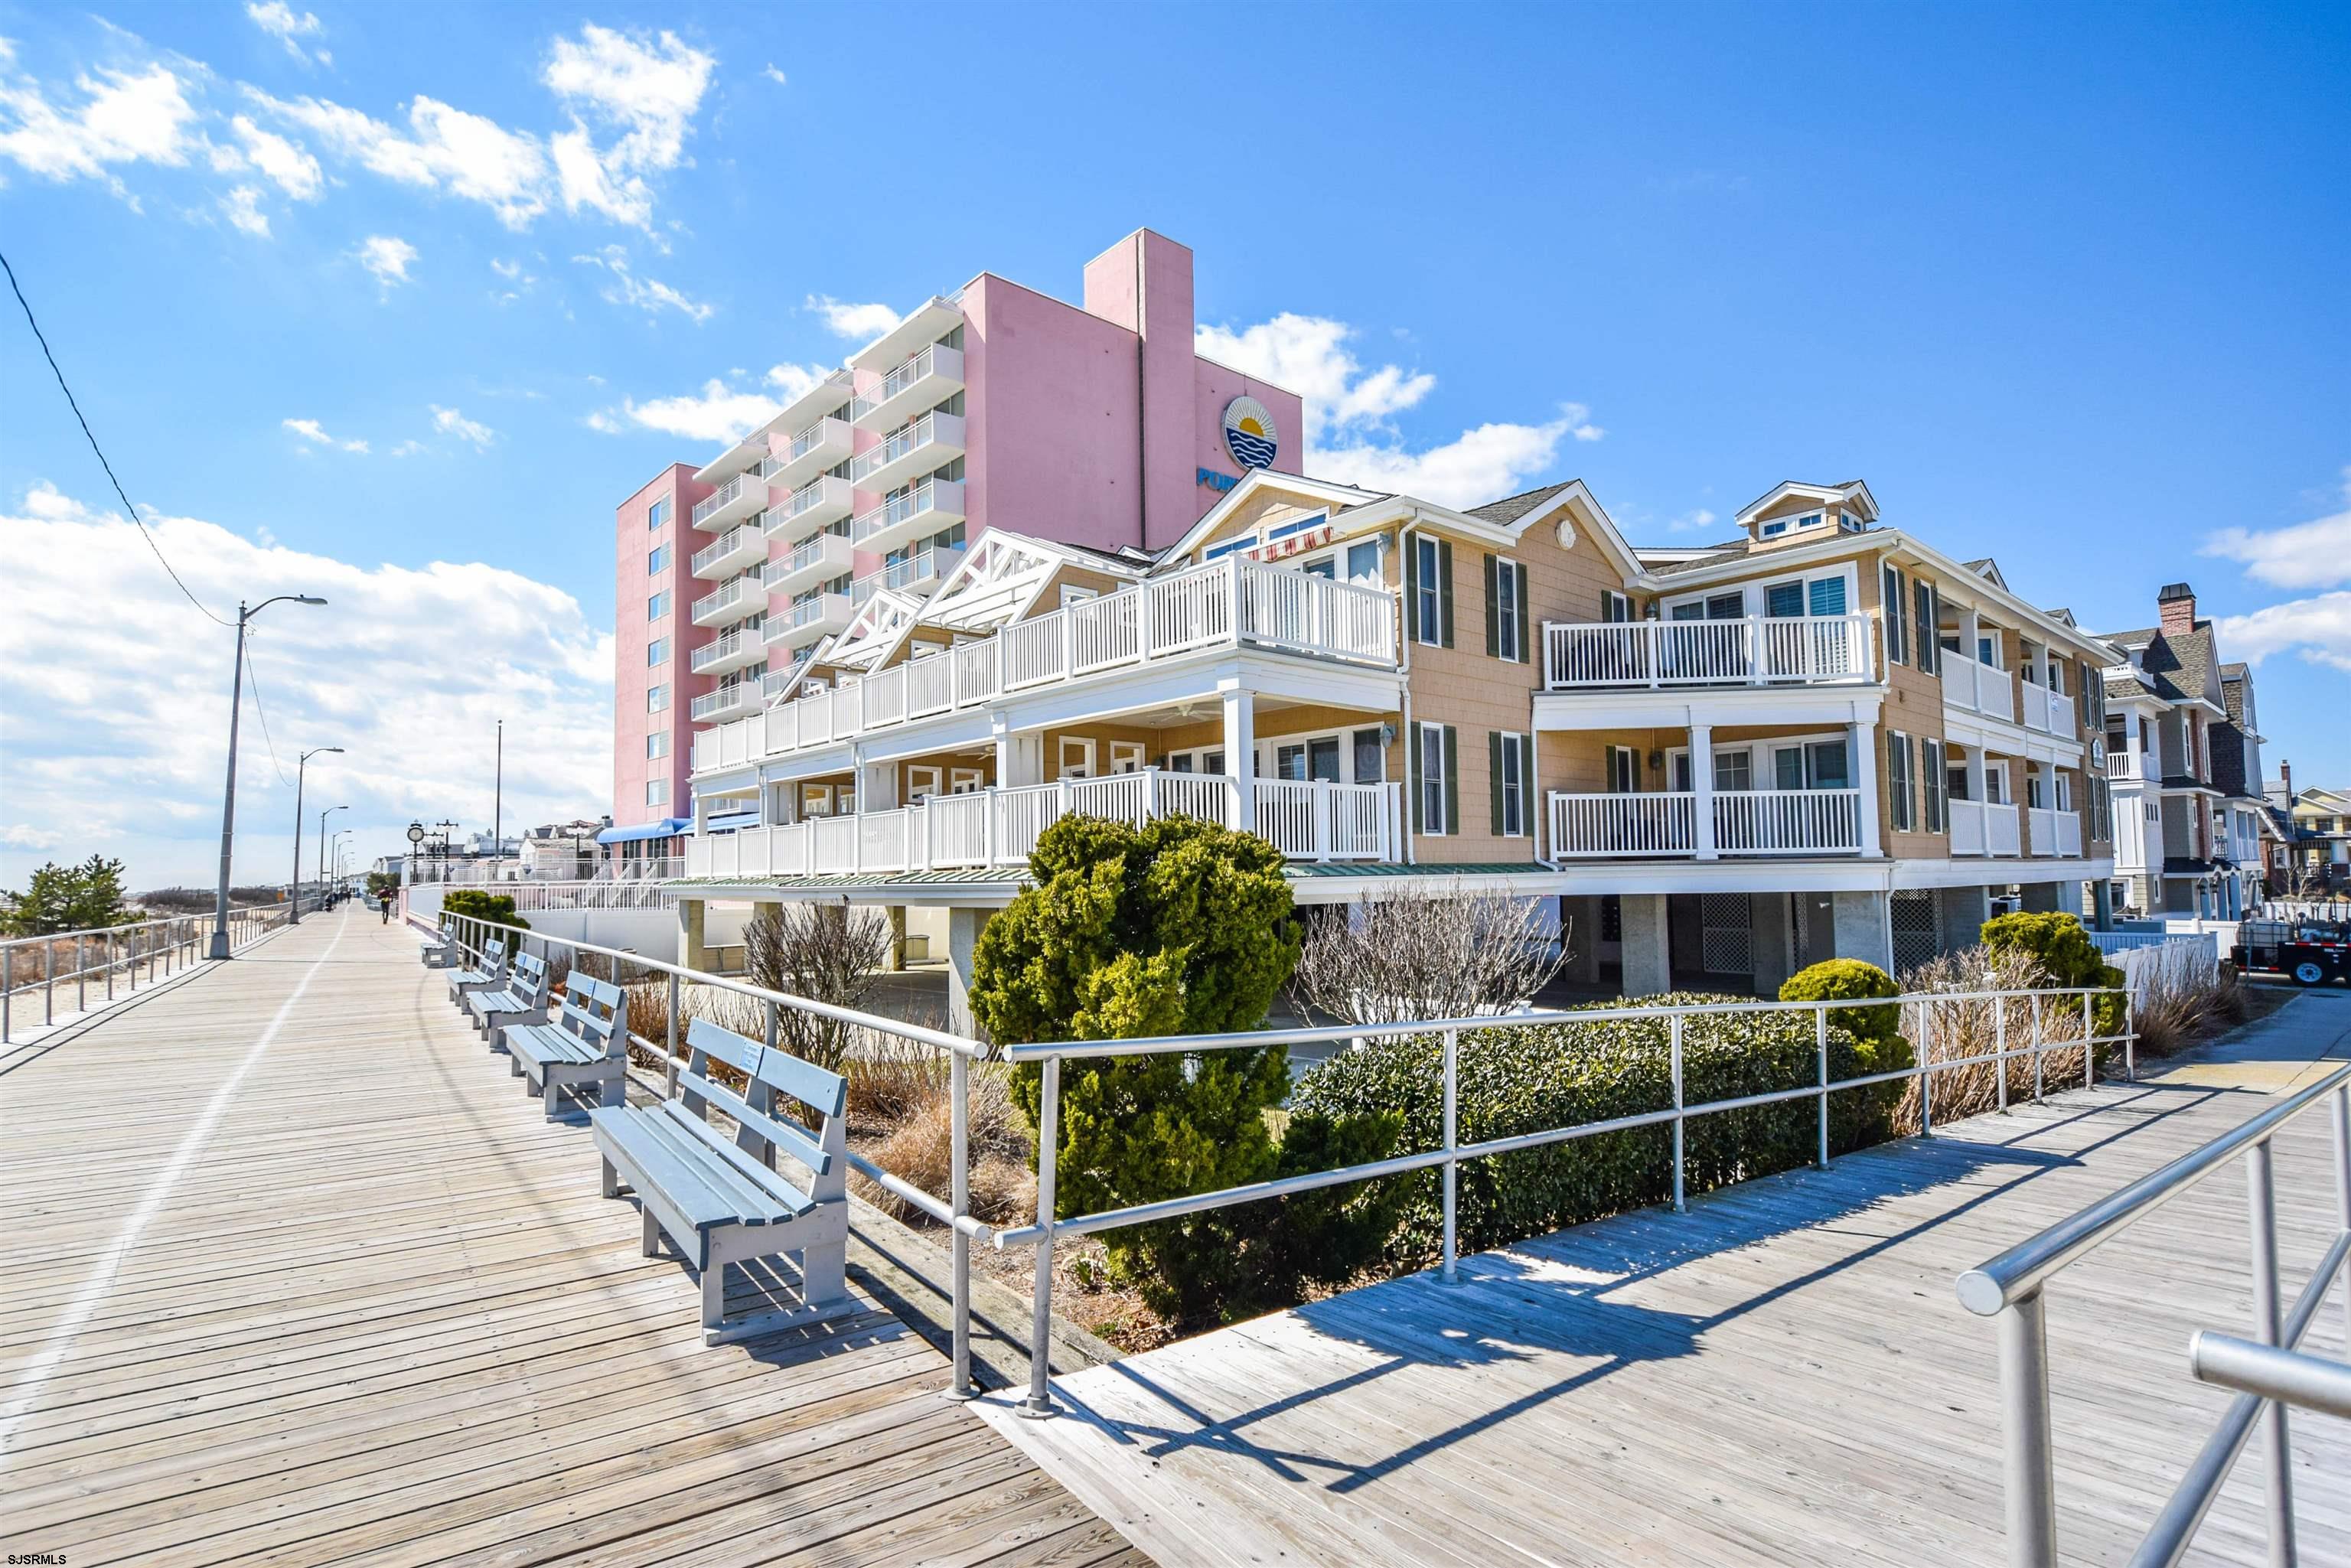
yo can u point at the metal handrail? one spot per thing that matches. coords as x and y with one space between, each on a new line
2009 1289
1050 1054
170 951
468 931
2267 1373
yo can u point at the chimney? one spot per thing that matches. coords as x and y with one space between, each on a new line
2175 608
2285 776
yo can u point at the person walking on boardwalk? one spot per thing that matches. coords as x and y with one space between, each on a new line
383 901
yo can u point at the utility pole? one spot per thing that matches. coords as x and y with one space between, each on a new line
219 948
497 806
295 917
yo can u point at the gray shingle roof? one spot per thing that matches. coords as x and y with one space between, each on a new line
2177 668
1511 508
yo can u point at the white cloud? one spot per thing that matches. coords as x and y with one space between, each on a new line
310 431
124 118
646 88
122 754
858 321
2315 554
2318 628
773 75
449 421
289 27
388 257
602 421
646 294
445 149
409 449
288 163
1690 522
719 415
242 207
508 269
1351 433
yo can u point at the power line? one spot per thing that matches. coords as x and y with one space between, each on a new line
131 510
254 680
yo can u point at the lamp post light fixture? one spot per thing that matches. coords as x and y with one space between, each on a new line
295 917
219 948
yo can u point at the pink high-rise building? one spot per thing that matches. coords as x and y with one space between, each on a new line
1094 424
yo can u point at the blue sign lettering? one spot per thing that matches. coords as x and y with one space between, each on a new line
1215 481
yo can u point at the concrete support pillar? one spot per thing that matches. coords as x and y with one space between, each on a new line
2102 905
2041 897
1579 915
897 935
1240 754
1648 947
1701 756
1861 747
1771 939
963 926
1860 922
691 951
1961 912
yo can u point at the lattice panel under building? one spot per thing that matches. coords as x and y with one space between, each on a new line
1725 932
1917 938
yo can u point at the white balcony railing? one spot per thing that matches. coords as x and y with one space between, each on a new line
2054 833
1757 651
734 549
1743 822
1977 688
729 602
743 646
2050 712
911 449
738 497
929 506
931 376
1227 603
1309 820
920 569
734 698
2127 765
1979 828
811 561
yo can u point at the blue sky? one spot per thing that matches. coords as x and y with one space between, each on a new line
2065 285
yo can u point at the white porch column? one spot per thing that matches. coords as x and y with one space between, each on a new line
1020 759
963 926
877 786
1970 637
1701 756
1861 747
1977 775
1240 754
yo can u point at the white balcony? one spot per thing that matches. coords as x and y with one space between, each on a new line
2050 712
1758 651
2128 765
811 617
737 548
1228 603
794 460
929 506
1657 824
732 502
729 601
814 506
739 649
911 451
731 701
917 573
2054 833
1305 821
1977 688
1984 829
815 561
924 381
926 323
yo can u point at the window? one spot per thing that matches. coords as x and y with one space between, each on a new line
1505 610
656 698
657 651
922 782
657 744
1371 756
1072 594
1614 607
1729 605
1934 777
964 780
1815 765
1436 794
657 515
657 606
1077 757
1897 620
1295 526
658 561
1624 770
1899 799
1238 542
1126 755
1364 561
1783 601
656 791
1734 770
1930 612
1509 759
1429 590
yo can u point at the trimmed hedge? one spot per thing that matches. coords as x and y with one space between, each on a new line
1878 1030
495 907
1526 1080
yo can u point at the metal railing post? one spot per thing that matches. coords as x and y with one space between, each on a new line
1039 1403
2130 1040
2027 1461
81 968
48 983
1674 1033
2343 1179
1926 1075
2000 1047
669 1051
959 1201
1452 1166
7 992
1821 1047
2037 1043
2089 1049
2261 1194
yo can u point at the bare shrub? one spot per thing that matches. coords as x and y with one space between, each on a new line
1963 1027
920 1148
2180 994
890 1078
1426 955
826 953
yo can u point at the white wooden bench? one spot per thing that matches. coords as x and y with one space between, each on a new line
587 1044
720 1199
491 976
522 1000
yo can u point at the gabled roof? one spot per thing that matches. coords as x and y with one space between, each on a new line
1340 498
1003 572
1988 570
1511 508
1851 492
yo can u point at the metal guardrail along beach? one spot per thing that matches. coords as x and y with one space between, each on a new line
2009 1289
155 949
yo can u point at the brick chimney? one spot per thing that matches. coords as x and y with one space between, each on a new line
2175 608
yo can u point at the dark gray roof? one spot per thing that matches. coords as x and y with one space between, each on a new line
1716 555
1511 508
2177 668
2124 683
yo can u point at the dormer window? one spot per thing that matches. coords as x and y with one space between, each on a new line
1778 526
1851 522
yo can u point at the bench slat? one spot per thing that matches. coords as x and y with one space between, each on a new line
779 1188
705 1189
774 1130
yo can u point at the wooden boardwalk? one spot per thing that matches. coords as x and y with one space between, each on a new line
291 1271
1782 1376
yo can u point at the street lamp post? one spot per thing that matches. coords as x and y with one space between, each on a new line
322 835
228 798
295 917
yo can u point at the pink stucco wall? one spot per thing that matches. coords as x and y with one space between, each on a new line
634 633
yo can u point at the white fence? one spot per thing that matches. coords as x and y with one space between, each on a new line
1743 822
1231 602
1312 820
1756 651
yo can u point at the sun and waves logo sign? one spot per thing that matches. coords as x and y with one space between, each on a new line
1250 434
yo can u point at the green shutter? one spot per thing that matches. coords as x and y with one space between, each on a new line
1445 592
1411 584
1526 619
1412 775
1493 610
1452 779
1494 774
